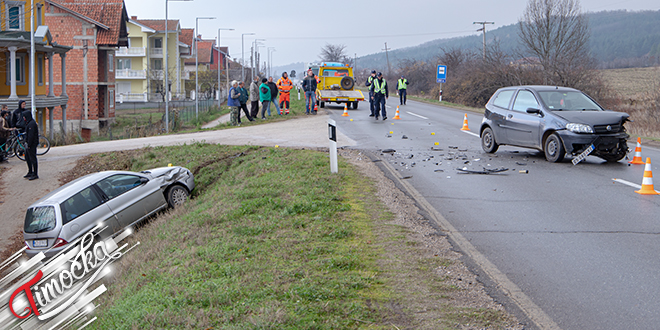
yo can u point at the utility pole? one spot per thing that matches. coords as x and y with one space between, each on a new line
387 55
483 28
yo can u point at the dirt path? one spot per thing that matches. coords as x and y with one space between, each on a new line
222 119
19 193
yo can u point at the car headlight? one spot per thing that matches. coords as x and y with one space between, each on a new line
579 128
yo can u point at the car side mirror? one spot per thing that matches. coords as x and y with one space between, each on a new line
533 110
143 180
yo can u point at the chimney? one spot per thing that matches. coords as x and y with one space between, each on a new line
134 18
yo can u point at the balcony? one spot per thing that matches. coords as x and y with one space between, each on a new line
130 74
131 52
155 52
131 97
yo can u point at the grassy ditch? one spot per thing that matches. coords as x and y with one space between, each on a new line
272 240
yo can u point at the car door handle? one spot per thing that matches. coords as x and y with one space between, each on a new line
510 116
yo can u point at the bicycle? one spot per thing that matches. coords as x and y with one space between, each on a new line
19 145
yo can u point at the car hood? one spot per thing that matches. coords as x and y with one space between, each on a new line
592 117
169 174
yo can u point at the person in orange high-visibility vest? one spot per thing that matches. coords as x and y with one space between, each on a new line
285 85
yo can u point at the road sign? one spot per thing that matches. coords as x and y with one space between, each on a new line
441 74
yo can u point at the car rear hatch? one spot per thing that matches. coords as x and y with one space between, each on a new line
41 228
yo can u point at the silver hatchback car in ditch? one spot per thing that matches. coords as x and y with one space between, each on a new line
116 199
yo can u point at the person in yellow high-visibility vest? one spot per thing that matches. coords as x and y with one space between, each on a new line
402 87
285 85
380 94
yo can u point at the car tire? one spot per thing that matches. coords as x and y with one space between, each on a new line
554 149
355 105
488 142
176 195
322 105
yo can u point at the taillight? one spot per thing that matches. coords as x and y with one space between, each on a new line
60 242
27 245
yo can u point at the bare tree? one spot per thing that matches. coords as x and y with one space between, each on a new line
557 34
334 53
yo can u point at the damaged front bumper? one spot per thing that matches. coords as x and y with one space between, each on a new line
575 143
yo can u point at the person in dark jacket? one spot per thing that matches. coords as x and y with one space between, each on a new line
243 98
380 94
233 103
309 86
32 133
5 130
274 92
17 117
370 79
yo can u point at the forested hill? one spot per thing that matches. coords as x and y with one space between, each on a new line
618 39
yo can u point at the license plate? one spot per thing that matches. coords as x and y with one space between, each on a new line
583 155
40 243
342 99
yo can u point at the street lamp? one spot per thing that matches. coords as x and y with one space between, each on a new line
270 59
226 65
197 65
166 76
243 54
256 51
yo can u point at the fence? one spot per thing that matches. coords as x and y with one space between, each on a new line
186 112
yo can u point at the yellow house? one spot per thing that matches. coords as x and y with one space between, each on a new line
15 19
140 66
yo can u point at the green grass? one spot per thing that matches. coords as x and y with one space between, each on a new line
270 241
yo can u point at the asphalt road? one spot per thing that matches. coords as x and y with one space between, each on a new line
580 246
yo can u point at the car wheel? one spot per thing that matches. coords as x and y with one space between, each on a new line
176 196
322 105
488 141
554 149
355 105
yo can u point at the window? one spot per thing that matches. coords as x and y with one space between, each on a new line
14 15
111 62
502 99
20 69
118 184
39 219
524 101
123 64
39 13
157 64
79 204
40 69
158 42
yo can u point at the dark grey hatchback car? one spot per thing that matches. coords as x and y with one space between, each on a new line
555 120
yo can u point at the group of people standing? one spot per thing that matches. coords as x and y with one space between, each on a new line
263 90
379 93
20 122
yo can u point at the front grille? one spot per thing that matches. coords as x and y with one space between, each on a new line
602 129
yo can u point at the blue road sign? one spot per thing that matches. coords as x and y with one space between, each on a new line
441 74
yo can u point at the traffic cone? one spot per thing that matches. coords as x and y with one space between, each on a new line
397 113
638 154
345 114
316 108
647 182
465 124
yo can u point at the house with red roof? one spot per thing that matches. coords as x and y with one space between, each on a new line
94 28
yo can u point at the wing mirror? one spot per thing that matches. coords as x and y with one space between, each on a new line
534 110
143 180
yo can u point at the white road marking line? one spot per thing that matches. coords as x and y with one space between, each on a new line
416 115
628 183
473 134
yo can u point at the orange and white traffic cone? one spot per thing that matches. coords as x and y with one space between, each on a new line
638 154
465 124
647 182
345 114
316 108
397 113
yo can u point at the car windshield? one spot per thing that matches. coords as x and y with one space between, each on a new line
568 101
40 219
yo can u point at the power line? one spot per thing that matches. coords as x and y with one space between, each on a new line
483 28
363 37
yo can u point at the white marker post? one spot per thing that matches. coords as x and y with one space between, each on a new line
332 135
298 93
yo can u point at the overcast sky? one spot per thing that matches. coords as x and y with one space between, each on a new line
297 30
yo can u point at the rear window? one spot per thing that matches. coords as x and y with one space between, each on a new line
40 219
79 204
503 98
335 73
